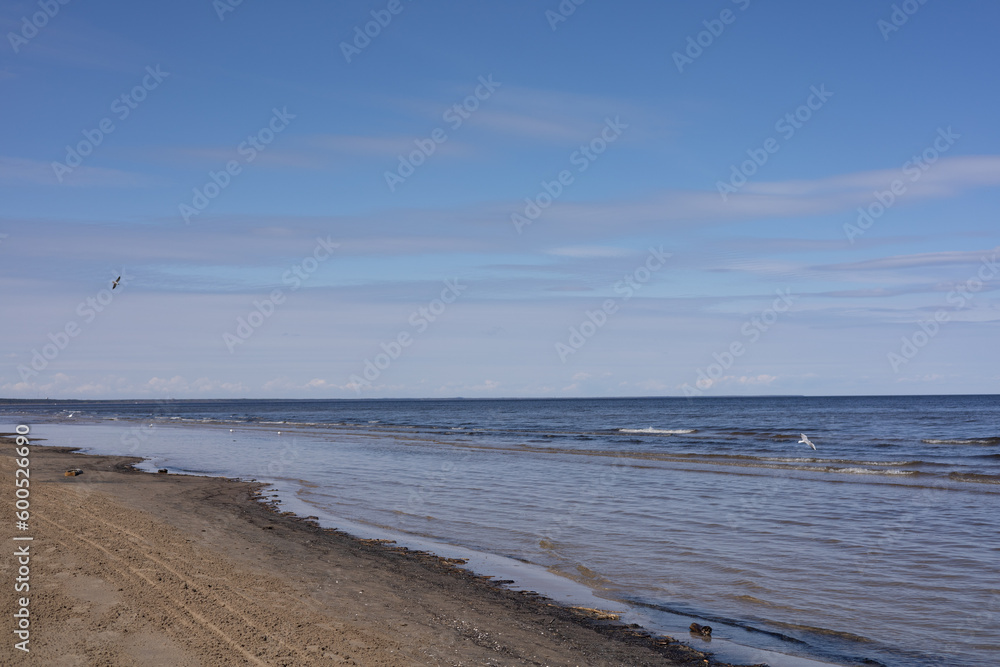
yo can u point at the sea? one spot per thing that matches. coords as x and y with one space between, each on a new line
879 547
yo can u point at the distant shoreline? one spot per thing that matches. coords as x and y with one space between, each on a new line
466 398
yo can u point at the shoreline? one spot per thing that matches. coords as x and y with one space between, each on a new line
132 565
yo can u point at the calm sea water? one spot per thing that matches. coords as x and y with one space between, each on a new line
879 547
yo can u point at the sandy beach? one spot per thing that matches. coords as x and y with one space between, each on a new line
132 568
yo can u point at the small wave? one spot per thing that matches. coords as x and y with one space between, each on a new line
890 463
975 477
680 611
806 459
869 471
789 459
757 601
658 431
968 441
826 632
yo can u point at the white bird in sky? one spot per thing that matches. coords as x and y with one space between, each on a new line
805 439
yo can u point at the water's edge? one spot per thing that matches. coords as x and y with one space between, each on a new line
736 645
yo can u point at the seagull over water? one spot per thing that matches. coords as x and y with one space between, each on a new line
805 439
115 283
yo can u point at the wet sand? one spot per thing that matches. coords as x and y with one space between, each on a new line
132 568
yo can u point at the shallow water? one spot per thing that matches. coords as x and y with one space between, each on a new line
881 545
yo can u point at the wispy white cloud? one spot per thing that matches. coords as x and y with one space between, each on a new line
370 146
533 127
801 198
309 152
587 252
532 114
20 171
919 260
555 116
760 380
213 156
511 112
378 146
457 388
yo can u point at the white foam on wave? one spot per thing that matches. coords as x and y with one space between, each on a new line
888 463
869 471
657 431
970 441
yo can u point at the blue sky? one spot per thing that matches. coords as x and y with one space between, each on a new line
644 198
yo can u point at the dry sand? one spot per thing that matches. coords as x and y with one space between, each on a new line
131 568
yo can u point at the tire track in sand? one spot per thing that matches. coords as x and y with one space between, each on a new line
219 587
178 608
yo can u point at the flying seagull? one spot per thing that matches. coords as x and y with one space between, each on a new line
805 439
115 283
